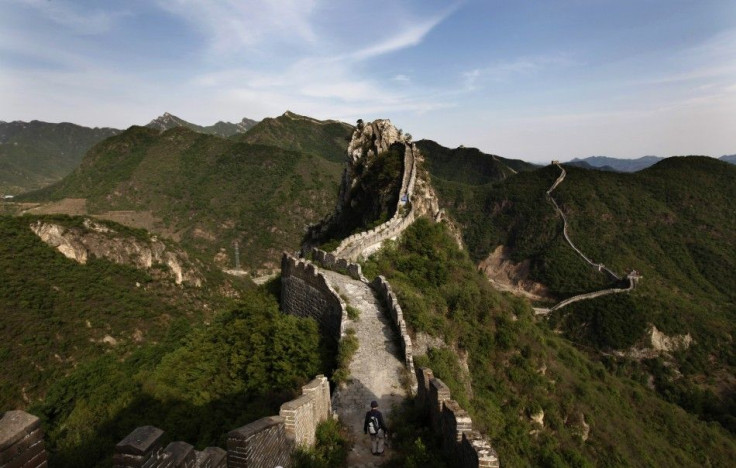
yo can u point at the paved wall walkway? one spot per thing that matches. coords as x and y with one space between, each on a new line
376 369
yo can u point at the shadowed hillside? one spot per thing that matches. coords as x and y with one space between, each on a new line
35 154
468 165
673 222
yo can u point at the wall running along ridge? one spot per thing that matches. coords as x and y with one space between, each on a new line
388 298
264 443
305 292
367 242
599 266
460 442
21 441
633 277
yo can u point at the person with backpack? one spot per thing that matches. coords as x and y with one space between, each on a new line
375 426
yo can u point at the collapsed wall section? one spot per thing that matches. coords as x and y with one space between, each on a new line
305 292
452 424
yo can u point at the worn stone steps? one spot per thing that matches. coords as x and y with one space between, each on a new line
376 369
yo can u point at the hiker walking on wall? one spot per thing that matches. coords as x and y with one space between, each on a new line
375 426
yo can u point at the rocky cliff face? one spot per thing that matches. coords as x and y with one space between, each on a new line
97 240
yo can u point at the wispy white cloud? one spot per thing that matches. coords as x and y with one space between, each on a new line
409 34
232 25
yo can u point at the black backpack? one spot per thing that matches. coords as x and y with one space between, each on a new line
373 425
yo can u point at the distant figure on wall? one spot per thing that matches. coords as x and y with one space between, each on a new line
375 426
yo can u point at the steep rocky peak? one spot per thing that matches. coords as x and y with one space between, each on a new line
370 139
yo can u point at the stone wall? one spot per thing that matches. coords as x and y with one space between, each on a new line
367 242
387 296
452 425
261 444
302 415
331 262
144 448
265 443
21 441
305 292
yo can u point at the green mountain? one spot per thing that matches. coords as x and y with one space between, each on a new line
468 165
542 401
643 378
673 222
328 139
209 192
35 154
223 129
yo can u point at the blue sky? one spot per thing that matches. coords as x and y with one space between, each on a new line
534 80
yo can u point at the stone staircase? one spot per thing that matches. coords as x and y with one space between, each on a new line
377 370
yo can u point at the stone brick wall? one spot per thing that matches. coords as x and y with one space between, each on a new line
331 262
305 292
143 448
453 425
368 242
21 441
260 444
265 443
393 308
302 415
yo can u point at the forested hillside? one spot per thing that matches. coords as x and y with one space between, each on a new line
673 222
542 401
208 192
58 314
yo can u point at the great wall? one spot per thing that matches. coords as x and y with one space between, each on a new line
632 277
382 368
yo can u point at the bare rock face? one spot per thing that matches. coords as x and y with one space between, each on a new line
538 417
100 241
373 138
662 342
509 276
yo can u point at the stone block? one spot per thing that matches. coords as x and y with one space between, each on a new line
218 457
181 454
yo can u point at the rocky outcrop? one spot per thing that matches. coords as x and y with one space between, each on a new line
415 196
506 275
662 342
94 239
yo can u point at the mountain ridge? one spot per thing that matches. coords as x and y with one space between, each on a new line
167 121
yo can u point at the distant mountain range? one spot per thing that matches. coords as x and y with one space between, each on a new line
260 188
35 154
223 129
729 158
605 163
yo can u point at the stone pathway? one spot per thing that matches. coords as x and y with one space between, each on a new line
375 371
